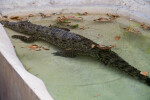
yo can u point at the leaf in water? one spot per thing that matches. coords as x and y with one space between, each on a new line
85 13
117 38
74 26
5 16
114 17
33 47
102 19
144 73
38 50
93 45
62 19
145 27
132 30
106 47
16 18
30 15
82 28
65 21
80 14
96 95
45 48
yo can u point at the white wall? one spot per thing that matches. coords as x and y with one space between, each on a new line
134 5
15 82
136 9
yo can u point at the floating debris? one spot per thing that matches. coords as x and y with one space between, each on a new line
74 26
37 48
5 16
63 19
45 15
82 28
45 48
144 73
96 95
130 29
85 13
117 38
93 45
30 15
33 47
105 47
113 16
74 18
102 19
16 18
42 15
145 27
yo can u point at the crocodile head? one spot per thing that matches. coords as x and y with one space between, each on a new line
17 26
4 22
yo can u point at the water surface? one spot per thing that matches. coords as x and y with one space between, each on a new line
84 78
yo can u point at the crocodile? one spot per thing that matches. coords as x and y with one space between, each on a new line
73 45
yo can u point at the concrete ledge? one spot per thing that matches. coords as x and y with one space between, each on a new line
10 89
27 87
137 15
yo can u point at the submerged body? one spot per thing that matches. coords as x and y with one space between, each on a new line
73 45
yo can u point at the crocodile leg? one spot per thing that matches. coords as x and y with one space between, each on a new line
26 39
66 53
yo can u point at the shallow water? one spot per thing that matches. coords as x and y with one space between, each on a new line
84 78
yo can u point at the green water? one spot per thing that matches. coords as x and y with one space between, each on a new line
84 78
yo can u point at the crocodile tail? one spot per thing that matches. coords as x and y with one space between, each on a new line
110 58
